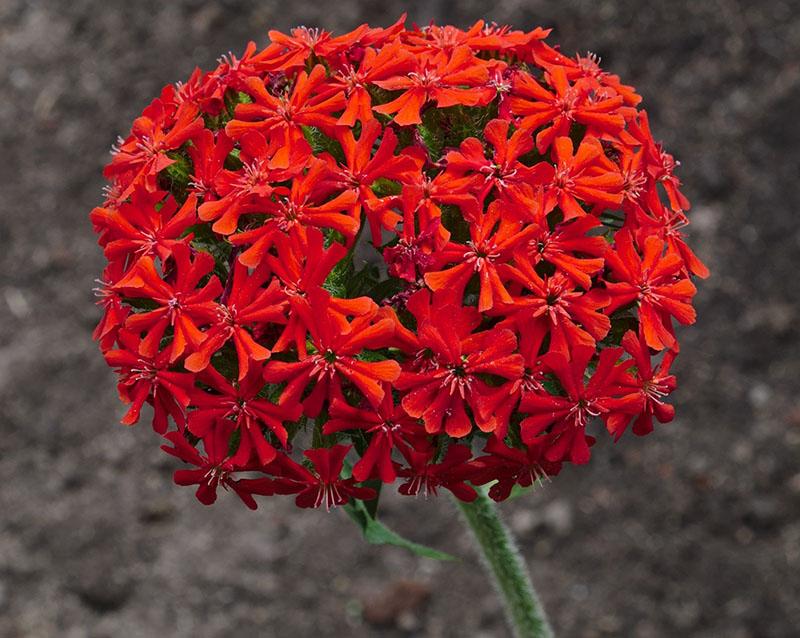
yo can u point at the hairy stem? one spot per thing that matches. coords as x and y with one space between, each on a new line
502 560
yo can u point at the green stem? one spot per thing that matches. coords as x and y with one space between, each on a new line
503 561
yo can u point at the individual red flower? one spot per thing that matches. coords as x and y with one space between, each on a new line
561 420
585 175
363 167
587 69
306 205
248 189
494 238
445 189
652 383
311 103
336 345
389 427
571 316
301 264
391 61
501 402
149 378
115 312
448 79
208 153
556 110
239 402
246 303
505 467
412 255
570 248
289 51
147 225
214 468
181 306
661 165
144 153
503 169
323 484
656 219
443 378
655 282
424 475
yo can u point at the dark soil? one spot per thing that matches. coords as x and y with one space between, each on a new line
694 531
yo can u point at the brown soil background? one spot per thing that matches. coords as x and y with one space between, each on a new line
693 531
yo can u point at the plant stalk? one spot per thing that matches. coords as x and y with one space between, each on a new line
502 560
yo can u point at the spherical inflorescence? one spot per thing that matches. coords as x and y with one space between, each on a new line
422 255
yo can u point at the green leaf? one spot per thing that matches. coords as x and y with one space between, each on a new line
377 533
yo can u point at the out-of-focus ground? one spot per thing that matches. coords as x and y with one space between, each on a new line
693 531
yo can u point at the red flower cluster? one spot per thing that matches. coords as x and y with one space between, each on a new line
526 264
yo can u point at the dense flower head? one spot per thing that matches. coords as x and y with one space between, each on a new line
428 256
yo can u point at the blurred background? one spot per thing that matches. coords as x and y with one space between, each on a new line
693 531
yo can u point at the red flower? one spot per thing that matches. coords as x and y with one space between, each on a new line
148 378
323 484
452 473
503 170
656 219
587 176
561 420
305 206
246 190
446 188
208 154
513 198
558 305
181 305
565 246
501 402
661 166
557 110
655 283
506 467
303 264
362 169
389 426
311 103
214 468
147 225
241 404
246 303
391 61
335 359
652 384
442 78
443 377
494 238
144 153
292 50
115 312
587 68
412 255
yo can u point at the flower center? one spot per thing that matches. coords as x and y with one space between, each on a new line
479 256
